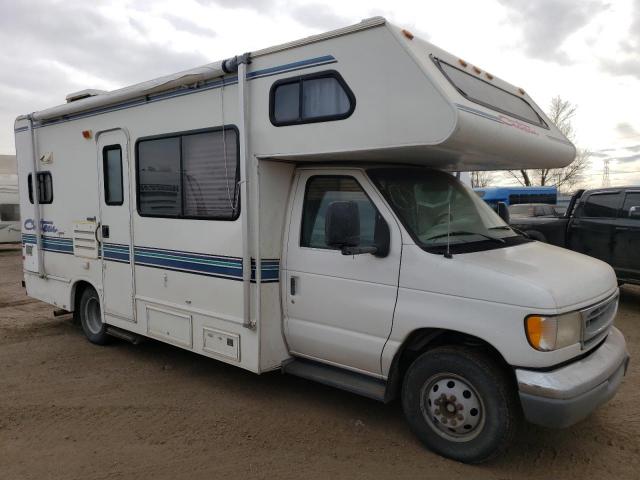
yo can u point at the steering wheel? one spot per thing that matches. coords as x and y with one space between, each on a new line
441 218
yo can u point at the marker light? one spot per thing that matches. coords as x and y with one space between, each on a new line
547 333
87 134
477 70
407 34
488 75
521 90
462 62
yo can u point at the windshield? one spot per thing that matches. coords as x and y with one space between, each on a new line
423 199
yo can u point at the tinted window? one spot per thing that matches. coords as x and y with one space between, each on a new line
602 205
45 187
9 212
321 192
287 102
112 168
485 93
631 199
312 98
192 175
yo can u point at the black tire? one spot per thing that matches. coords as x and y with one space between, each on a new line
476 434
89 312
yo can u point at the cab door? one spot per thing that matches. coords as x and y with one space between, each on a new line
339 308
115 227
626 258
592 228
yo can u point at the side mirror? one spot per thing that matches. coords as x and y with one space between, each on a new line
342 230
503 212
342 225
634 212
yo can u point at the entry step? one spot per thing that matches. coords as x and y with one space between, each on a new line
337 377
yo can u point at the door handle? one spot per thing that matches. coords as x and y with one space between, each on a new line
105 231
292 285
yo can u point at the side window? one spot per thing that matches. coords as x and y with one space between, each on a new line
10 212
318 97
632 199
112 168
45 187
320 193
191 175
603 205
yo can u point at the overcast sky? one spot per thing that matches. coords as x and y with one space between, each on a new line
586 51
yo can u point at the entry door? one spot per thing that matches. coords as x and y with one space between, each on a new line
339 308
114 230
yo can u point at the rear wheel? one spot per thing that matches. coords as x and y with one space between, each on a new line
91 317
460 403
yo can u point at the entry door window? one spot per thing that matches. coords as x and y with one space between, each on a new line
324 190
112 164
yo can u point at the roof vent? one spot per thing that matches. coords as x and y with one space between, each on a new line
89 92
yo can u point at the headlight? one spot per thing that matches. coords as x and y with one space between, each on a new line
547 333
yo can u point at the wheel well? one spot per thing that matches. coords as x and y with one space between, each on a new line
419 341
76 293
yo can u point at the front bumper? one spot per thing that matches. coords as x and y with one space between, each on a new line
562 397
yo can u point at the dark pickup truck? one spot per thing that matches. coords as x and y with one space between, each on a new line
602 223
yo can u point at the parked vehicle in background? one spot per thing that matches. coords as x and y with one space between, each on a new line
533 210
516 195
602 223
9 214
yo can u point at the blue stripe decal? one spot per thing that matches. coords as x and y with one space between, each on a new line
180 91
187 262
480 113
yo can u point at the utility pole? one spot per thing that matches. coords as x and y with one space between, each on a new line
605 174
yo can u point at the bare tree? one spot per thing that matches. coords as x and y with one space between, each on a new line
561 113
481 179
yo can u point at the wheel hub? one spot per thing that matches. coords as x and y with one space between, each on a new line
452 407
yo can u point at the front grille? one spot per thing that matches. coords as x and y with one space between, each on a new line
597 319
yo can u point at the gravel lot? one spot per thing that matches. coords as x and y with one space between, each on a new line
72 410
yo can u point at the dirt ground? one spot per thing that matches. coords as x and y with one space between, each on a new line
72 410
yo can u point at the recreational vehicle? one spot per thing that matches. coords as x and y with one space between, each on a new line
291 209
9 214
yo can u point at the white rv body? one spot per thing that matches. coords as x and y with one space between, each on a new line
225 288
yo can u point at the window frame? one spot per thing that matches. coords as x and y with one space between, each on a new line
623 212
105 177
304 202
180 134
583 209
300 79
437 61
30 187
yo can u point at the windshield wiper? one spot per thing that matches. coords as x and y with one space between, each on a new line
462 232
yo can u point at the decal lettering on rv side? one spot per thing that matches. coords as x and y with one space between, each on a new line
516 124
46 226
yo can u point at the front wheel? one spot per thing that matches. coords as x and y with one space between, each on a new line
91 318
460 403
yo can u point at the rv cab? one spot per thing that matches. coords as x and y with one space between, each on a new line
293 209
